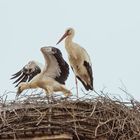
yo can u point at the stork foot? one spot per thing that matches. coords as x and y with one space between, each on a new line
22 86
68 93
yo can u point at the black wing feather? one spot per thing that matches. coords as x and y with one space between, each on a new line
64 67
86 86
26 74
16 74
89 70
24 79
19 78
30 77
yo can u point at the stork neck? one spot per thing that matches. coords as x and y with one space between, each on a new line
69 45
68 42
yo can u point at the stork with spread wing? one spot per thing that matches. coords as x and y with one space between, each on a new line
50 77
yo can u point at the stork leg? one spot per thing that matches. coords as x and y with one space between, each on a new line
48 97
49 92
76 82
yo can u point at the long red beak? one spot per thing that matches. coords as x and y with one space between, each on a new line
66 34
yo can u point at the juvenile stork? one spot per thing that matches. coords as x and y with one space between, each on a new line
79 60
51 77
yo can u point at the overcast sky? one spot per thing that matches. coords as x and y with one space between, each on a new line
108 29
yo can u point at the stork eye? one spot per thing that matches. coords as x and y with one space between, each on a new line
68 31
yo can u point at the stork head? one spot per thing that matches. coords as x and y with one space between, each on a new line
69 32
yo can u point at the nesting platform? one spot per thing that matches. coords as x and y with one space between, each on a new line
84 118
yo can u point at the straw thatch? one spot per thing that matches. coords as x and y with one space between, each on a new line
88 117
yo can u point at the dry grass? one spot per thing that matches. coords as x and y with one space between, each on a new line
87 117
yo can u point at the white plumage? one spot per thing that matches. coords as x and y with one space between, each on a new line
79 59
51 77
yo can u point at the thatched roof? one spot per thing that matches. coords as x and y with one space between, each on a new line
87 117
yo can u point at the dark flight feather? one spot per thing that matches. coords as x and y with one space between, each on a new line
89 70
64 67
16 74
25 75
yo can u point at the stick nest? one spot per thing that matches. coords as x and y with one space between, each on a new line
86 117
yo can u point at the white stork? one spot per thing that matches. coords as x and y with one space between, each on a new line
79 60
51 77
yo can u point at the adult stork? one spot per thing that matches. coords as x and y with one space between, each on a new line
79 60
51 77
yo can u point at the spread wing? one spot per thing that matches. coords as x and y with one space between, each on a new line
29 71
56 67
64 67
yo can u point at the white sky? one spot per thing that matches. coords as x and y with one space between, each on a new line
109 30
